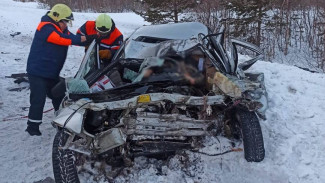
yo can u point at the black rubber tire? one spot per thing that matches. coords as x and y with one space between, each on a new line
252 135
64 167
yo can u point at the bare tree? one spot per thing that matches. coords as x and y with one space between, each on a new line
295 29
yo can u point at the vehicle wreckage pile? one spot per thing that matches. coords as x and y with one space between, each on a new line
161 93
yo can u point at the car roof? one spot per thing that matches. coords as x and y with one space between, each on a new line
184 30
147 38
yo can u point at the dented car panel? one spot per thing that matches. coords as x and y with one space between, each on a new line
72 117
170 87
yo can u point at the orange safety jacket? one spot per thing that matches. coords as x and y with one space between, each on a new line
112 41
49 49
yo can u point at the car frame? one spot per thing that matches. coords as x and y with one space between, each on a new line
234 94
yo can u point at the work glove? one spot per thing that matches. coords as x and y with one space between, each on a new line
90 38
105 54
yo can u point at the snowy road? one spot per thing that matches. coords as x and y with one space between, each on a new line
294 131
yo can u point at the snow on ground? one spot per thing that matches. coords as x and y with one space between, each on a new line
294 131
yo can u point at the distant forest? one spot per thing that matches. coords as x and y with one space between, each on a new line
289 31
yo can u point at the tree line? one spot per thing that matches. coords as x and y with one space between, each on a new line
112 6
289 31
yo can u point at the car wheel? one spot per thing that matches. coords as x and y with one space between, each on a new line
252 135
64 166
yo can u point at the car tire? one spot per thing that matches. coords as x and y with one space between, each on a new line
252 135
64 167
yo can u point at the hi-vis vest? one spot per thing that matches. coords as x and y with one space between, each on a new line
112 42
49 49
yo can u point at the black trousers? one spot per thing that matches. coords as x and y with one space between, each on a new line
39 89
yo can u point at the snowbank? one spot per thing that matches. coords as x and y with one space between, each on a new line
294 131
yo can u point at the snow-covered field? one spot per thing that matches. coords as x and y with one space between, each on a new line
294 132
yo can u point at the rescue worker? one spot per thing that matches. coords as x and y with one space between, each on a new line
46 59
110 37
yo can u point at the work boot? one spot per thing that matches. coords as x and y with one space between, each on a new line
33 128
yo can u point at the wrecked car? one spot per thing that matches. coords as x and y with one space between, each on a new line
166 88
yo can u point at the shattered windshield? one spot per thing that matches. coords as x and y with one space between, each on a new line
79 84
89 62
172 60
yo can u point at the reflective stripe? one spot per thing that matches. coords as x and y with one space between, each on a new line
34 121
57 39
110 47
115 47
105 46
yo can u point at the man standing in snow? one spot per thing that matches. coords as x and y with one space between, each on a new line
46 59
110 37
